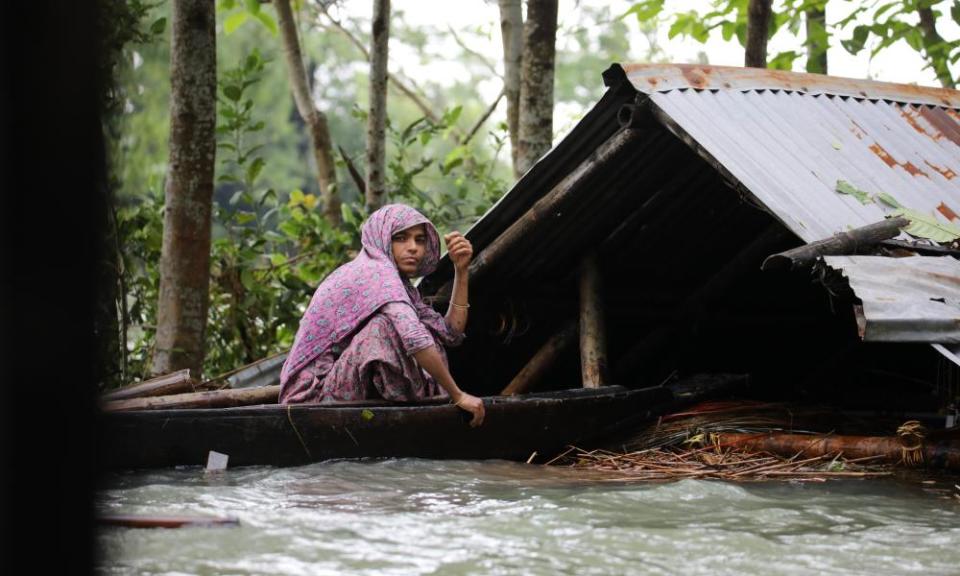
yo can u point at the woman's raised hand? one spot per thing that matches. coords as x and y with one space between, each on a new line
459 249
473 405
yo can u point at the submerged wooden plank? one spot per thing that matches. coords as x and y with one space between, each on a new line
150 521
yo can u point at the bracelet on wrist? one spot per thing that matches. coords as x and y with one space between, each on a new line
464 306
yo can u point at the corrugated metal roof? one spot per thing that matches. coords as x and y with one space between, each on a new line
915 299
790 149
651 78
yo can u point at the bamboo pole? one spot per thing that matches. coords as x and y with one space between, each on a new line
172 383
537 366
850 242
209 399
593 337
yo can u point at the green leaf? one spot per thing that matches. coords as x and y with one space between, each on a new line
254 169
955 11
914 38
856 43
927 226
845 187
245 217
232 92
278 259
366 414
247 279
887 199
646 10
252 6
727 30
268 22
158 26
347 214
783 60
235 21
236 197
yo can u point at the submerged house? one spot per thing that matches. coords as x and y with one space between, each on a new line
652 221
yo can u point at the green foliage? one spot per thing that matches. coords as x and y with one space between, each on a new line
891 21
268 253
474 187
238 15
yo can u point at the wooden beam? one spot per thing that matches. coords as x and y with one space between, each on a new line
531 374
593 337
546 208
209 399
855 241
172 383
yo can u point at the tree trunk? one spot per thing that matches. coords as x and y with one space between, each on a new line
316 120
377 119
758 27
185 256
931 38
511 30
535 117
816 25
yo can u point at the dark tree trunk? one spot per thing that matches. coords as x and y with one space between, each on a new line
758 27
511 31
185 258
816 23
932 38
377 118
535 136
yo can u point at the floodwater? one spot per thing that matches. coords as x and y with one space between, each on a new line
414 516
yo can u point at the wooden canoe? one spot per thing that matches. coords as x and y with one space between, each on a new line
278 435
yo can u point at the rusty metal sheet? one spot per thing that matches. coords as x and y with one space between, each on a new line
789 150
652 78
914 299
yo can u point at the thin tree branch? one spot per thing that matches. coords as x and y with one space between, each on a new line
474 53
483 118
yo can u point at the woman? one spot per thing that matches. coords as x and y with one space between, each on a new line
368 334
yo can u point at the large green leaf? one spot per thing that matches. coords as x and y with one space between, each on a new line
927 226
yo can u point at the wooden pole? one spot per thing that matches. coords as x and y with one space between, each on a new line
889 449
593 337
173 383
842 243
208 399
537 366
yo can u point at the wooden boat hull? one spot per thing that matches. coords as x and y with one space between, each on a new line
514 428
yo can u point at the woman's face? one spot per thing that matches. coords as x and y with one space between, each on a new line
409 248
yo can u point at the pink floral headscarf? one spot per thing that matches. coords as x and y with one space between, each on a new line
354 291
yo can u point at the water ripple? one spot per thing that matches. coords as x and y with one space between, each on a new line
425 517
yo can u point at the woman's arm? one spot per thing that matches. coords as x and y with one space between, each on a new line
429 359
461 251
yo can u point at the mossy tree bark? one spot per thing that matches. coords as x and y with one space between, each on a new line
511 32
185 255
535 118
377 117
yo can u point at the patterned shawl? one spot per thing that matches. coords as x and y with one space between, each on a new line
355 290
